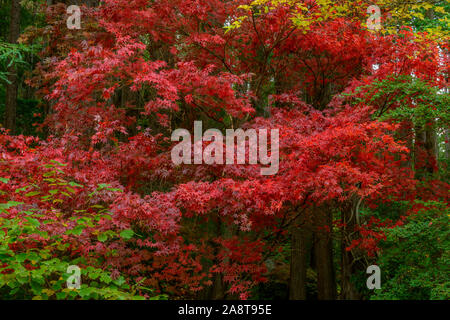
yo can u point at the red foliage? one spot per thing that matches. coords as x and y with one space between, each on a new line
187 64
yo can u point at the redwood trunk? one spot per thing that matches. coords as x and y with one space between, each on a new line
326 285
425 152
300 244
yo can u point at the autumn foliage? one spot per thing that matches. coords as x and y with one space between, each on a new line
101 184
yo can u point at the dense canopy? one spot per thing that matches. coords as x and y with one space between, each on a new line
86 171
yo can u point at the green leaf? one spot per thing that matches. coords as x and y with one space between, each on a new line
61 295
21 189
71 190
9 204
105 278
103 186
33 222
58 163
32 193
21 257
78 230
73 184
127 234
120 281
102 237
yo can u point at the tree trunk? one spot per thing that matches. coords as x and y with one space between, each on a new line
300 244
349 259
348 290
425 152
432 149
11 87
326 285
218 289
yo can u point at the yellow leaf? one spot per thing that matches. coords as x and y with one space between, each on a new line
439 9
49 292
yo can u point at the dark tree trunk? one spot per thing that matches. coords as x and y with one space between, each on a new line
300 247
326 285
432 149
425 152
350 262
11 87
218 288
348 290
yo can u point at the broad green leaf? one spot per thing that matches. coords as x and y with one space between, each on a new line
127 234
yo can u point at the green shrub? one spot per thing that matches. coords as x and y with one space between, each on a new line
415 258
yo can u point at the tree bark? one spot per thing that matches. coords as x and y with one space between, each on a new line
432 149
425 152
300 246
11 87
348 290
218 288
326 284
349 259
